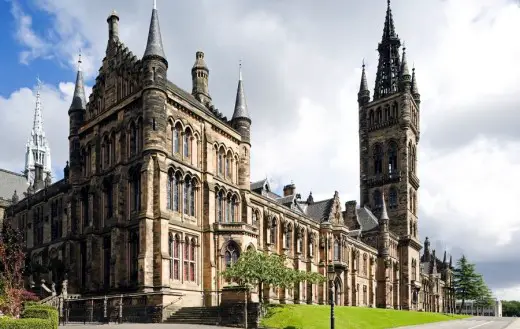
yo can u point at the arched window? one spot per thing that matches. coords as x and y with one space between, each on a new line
227 169
190 250
387 113
186 143
220 204
174 252
192 198
414 158
232 208
232 253
394 114
133 139
254 218
378 201
136 190
337 254
392 197
288 237
272 231
379 116
220 161
172 193
378 159
392 158
176 132
371 118
186 195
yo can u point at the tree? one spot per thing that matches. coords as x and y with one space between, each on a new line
465 281
511 308
12 264
484 296
257 269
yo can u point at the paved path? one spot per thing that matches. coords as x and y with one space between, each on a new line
479 322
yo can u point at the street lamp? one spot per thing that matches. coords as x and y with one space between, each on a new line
331 275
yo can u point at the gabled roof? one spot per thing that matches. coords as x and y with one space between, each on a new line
10 182
366 219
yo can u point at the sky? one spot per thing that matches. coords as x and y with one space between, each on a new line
301 66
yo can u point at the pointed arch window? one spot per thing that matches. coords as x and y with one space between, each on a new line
378 159
220 161
394 114
337 250
220 203
371 118
232 254
186 144
392 197
378 201
192 198
190 247
232 209
187 195
387 113
273 231
133 139
174 253
254 218
228 166
392 158
173 192
176 139
136 190
288 237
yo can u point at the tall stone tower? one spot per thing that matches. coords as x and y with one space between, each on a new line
38 151
77 111
388 138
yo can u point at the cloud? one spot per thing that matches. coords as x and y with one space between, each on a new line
301 71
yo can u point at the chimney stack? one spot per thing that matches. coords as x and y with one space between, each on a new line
289 189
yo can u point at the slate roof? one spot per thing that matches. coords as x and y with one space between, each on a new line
366 219
11 181
320 210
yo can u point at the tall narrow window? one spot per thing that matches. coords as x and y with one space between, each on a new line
172 192
220 162
110 200
273 231
176 140
228 166
232 209
186 259
378 201
187 193
378 159
136 191
392 158
176 187
336 250
169 192
193 255
133 255
133 139
219 201
107 250
170 254
392 197
232 254
192 199
186 144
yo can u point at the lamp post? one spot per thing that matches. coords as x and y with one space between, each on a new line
331 275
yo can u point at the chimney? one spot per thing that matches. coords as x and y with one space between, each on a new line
350 215
289 189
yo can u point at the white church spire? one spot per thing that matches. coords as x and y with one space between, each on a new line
38 152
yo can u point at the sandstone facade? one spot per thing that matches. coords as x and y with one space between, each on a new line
157 196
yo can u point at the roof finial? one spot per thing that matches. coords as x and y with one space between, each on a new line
39 82
154 4
79 60
240 70
363 63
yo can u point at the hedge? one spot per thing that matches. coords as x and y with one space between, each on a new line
33 317
9 323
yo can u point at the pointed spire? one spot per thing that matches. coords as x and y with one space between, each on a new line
241 110
78 99
444 258
389 28
405 73
154 46
38 119
451 263
389 66
414 87
364 93
384 212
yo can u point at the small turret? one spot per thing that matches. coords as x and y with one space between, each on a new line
241 119
364 93
66 171
415 89
383 229
113 28
200 79
77 111
310 198
405 77
426 256
434 265
155 64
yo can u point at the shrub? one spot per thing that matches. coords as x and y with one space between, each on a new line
45 312
29 296
9 323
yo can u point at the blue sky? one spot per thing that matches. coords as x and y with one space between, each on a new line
50 69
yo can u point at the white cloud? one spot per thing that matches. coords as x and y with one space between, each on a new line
301 79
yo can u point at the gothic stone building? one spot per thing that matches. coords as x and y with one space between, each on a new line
157 195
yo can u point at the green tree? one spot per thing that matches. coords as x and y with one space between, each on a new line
257 269
484 296
511 308
465 281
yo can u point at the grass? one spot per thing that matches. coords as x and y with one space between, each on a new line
318 317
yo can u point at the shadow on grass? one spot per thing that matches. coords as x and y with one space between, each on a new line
290 327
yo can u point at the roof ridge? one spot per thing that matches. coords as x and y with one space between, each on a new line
12 172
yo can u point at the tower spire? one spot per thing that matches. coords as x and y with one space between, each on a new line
78 99
38 118
364 93
389 65
241 110
154 45
405 78
414 88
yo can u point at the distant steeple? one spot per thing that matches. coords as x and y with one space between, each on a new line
154 46
79 102
364 93
38 152
389 65
241 110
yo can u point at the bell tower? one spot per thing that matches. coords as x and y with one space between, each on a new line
388 139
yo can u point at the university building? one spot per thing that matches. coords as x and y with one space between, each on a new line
157 196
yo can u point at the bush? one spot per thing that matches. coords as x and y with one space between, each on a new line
9 323
45 312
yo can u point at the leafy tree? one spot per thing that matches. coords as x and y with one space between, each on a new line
12 264
465 281
257 269
511 308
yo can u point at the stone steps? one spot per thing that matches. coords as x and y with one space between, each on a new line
195 315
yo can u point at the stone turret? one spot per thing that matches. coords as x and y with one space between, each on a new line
241 122
364 93
200 80
77 111
404 76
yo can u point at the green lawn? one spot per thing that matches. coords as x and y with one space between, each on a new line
318 317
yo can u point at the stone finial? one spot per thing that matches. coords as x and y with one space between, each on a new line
15 197
310 198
